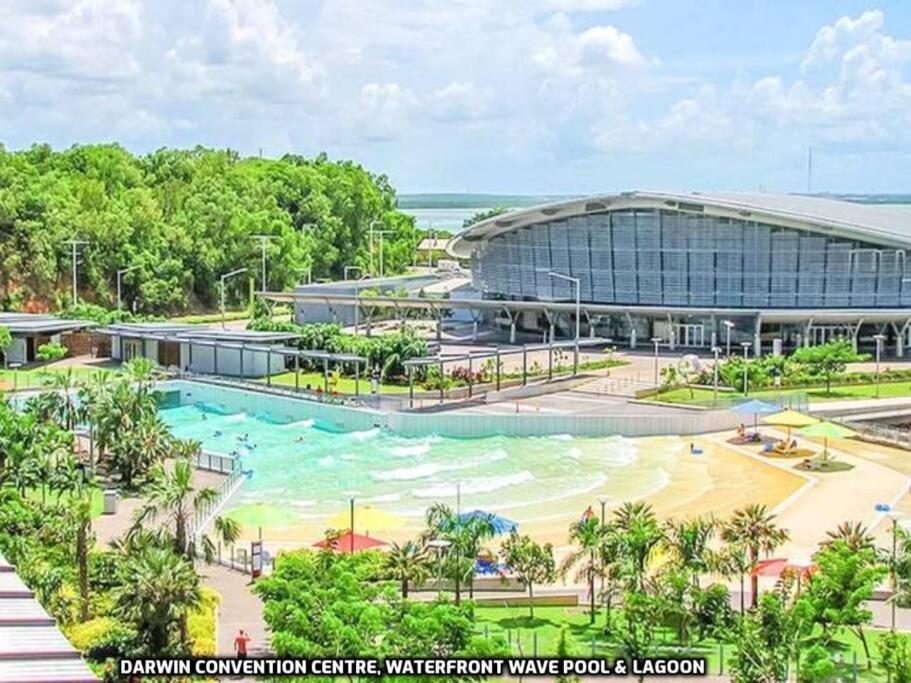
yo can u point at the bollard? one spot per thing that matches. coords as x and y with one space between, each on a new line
593 644
721 659
486 631
534 644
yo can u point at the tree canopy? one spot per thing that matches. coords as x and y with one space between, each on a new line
182 218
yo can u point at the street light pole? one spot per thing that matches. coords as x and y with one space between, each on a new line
717 352
879 348
348 269
120 274
223 278
656 341
578 283
74 244
382 249
263 242
746 352
729 326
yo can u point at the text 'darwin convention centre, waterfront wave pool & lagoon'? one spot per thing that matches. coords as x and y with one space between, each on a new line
307 466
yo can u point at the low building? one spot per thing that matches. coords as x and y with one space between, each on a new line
32 330
203 350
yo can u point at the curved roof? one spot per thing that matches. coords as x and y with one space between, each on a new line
887 226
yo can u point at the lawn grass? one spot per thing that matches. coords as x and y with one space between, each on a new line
514 625
41 376
839 393
345 384
53 497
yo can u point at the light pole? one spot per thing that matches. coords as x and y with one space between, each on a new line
263 243
382 249
74 244
348 269
746 352
728 327
717 352
223 278
370 242
120 274
309 271
880 338
656 341
577 282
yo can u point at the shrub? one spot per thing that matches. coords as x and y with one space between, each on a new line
101 638
201 624
51 351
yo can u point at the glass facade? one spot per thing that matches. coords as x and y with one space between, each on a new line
671 258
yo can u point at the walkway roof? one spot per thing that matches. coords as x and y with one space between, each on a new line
890 226
40 323
32 648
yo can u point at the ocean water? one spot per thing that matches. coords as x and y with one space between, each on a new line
306 474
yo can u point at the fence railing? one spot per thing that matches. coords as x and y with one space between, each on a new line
900 436
207 513
214 462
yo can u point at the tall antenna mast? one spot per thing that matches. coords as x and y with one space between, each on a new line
810 170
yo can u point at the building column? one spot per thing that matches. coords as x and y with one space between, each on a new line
854 334
757 338
632 330
671 333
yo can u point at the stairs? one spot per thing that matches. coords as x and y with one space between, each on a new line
614 386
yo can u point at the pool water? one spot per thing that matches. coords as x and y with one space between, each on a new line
303 474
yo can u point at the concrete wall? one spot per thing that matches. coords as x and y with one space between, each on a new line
16 352
255 363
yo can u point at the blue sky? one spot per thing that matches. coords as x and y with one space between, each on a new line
537 96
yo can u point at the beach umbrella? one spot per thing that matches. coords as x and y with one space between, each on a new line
778 566
755 407
368 518
789 418
350 543
826 431
501 525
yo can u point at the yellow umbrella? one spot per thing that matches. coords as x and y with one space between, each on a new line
790 418
826 431
367 519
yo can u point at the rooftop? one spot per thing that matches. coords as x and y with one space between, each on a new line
879 223
40 323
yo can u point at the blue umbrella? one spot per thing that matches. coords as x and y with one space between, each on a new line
755 407
501 525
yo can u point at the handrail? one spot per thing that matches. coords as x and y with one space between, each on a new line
207 513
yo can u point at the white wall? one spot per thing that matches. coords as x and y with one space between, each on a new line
256 363
17 351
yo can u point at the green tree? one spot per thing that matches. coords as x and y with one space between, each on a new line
483 215
157 590
465 536
586 535
837 593
531 563
6 340
753 528
763 642
828 360
895 657
409 564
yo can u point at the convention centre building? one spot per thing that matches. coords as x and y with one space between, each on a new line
699 270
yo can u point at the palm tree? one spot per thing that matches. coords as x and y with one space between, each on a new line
639 533
173 496
65 383
754 528
734 561
409 563
689 544
157 590
587 535
465 537
82 514
854 534
227 531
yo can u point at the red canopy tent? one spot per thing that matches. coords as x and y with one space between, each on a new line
350 543
778 566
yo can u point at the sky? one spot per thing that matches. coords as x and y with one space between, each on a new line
528 96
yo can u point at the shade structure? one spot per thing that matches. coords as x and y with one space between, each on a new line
350 543
789 418
755 407
779 566
826 431
501 525
366 518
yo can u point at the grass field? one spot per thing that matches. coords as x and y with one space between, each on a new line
40 376
51 497
586 639
345 384
839 392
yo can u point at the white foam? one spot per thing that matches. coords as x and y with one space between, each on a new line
485 485
328 461
419 449
300 424
366 434
562 437
428 469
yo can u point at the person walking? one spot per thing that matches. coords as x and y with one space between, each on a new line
240 644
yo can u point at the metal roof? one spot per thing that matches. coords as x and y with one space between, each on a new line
32 648
39 323
184 332
850 219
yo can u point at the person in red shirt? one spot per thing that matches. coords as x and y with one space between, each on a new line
240 644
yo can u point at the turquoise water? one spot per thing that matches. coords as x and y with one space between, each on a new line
309 472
